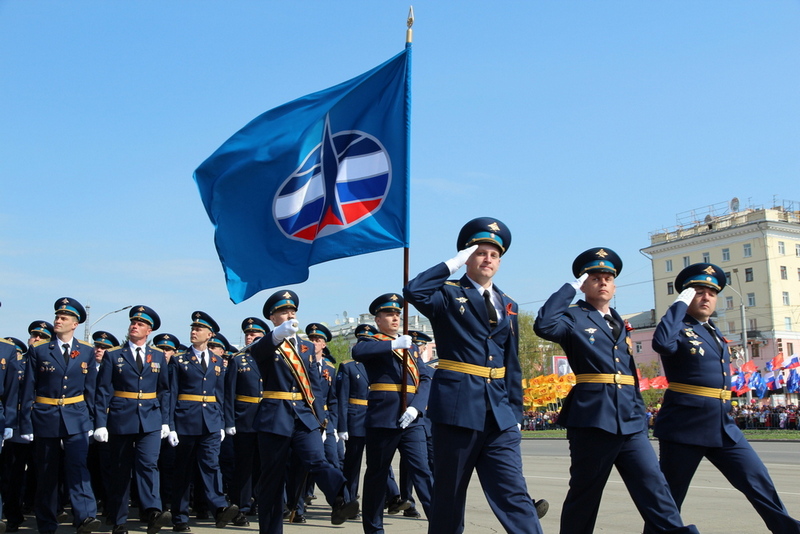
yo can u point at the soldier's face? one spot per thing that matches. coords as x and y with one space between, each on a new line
251 336
483 263
319 344
278 317
168 354
99 351
599 287
703 304
36 336
388 321
65 323
138 331
219 351
200 335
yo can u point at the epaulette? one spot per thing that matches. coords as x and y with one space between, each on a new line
116 347
509 297
453 283
346 361
82 342
4 340
41 342
573 305
329 364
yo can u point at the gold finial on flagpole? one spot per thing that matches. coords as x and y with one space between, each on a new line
409 31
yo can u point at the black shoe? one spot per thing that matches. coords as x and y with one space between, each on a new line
12 527
2 527
309 498
240 520
542 506
412 512
299 518
156 520
397 505
342 511
226 515
88 525
181 527
62 517
120 529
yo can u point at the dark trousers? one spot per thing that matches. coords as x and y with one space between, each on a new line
19 483
245 446
139 453
166 472
353 454
593 452
495 455
381 445
740 464
49 459
205 448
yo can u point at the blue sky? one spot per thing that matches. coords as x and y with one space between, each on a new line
578 124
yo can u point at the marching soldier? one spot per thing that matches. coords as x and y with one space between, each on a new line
694 422
8 354
393 422
243 388
133 417
604 413
58 409
197 392
291 416
169 345
477 340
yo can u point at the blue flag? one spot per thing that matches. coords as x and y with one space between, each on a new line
322 177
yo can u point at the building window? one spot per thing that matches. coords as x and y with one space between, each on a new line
787 324
638 347
748 274
751 299
781 247
706 257
728 303
797 250
728 277
669 266
686 261
785 295
726 254
670 288
748 250
752 324
798 273
731 326
784 273
790 348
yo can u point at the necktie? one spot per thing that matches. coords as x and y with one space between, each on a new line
713 334
65 346
139 361
613 324
203 364
490 311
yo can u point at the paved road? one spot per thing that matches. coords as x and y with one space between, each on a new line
712 504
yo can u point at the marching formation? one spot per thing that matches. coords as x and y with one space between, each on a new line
234 434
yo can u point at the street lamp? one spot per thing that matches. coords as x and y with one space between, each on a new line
89 327
744 329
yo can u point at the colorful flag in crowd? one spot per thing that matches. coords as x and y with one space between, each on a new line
319 178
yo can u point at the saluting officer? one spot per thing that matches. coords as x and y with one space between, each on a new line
243 388
476 396
133 417
604 413
393 422
694 422
197 391
291 416
58 408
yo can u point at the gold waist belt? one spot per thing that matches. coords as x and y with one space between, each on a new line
134 395
714 393
197 398
603 378
282 395
360 402
392 387
59 402
470 369
245 398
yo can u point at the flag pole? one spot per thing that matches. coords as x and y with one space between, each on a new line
404 382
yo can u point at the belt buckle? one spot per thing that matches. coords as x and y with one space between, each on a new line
61 402
618 379
139 396
493 373
296 396
204 398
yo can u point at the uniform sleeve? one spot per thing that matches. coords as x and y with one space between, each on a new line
104 393
28 393
424 291
90 386
163 392
343 396
173 388
333 402
513 368
553 323
666 336
378 348
230 393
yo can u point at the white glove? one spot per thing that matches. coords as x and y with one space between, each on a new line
345 436
336 435
221 435
172 439
458 261
100 435
27 437
164 431
231 430
91 433
285 329
324 435
408 417
8 433
686 296
519 427
579 282
402 342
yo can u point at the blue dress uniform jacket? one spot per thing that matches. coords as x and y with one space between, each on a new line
352 383
691 427
242 379
48 376
119 372
193 418
590 347
9 386
14 378
458 315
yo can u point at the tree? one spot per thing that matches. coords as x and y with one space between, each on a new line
535 354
